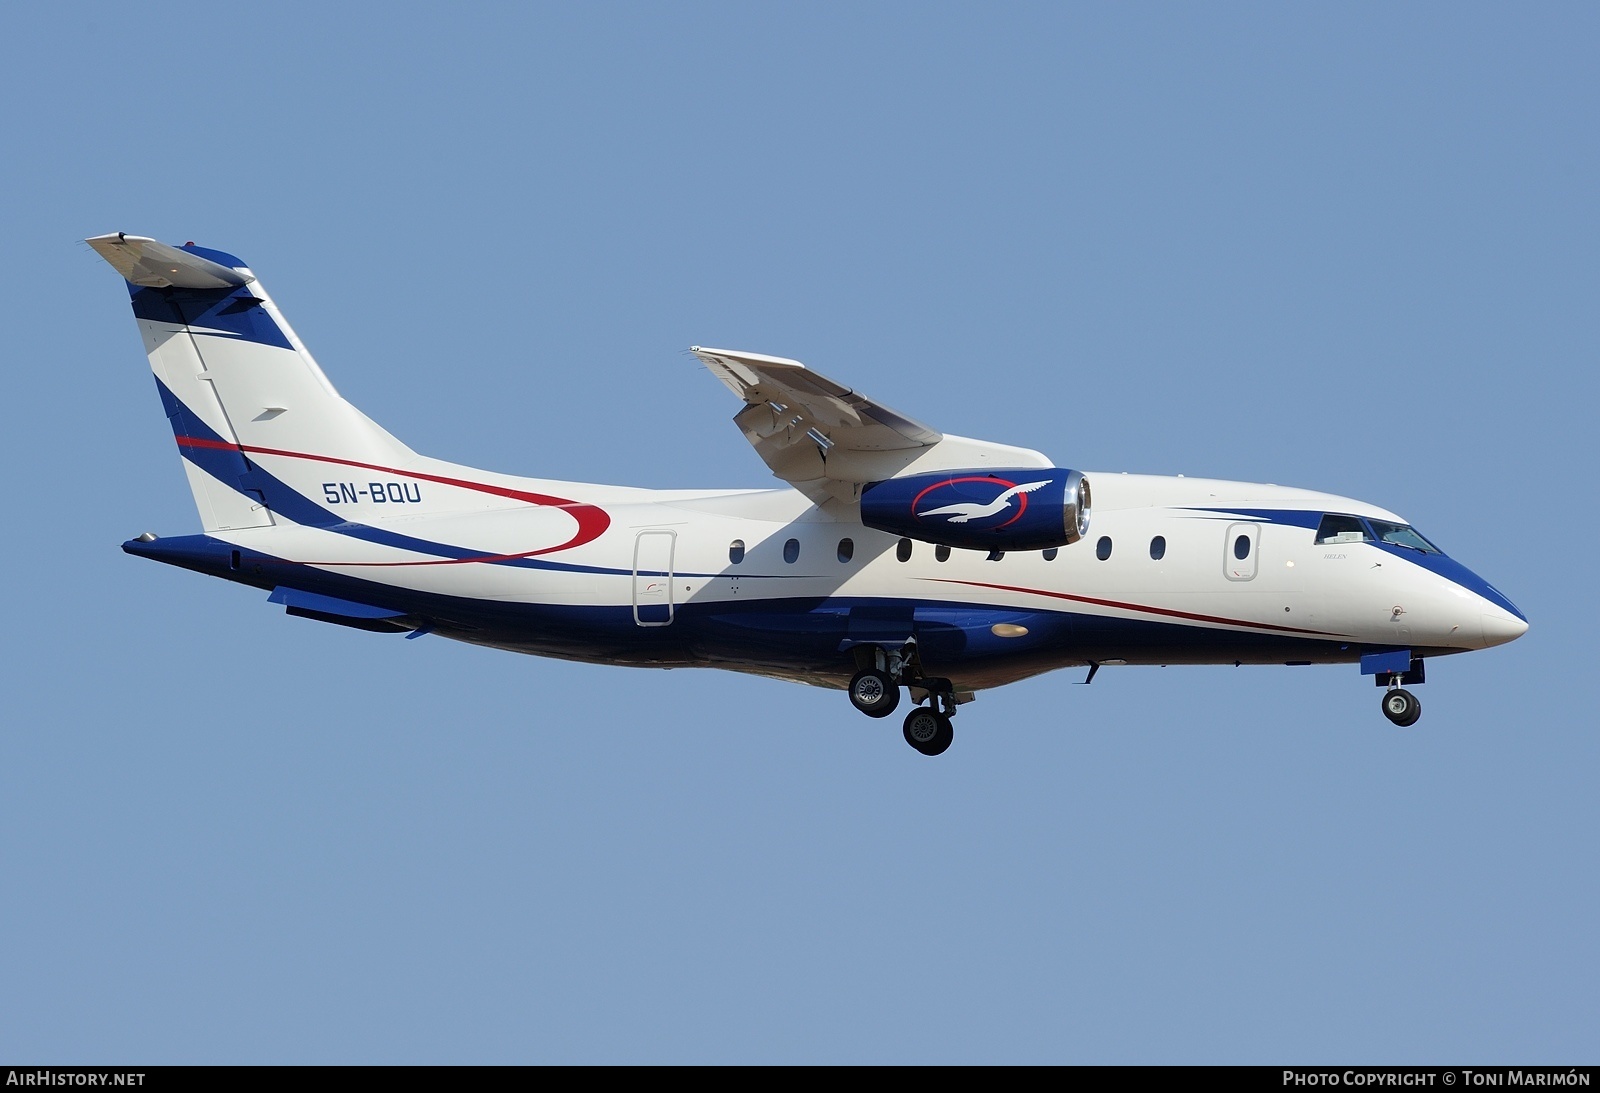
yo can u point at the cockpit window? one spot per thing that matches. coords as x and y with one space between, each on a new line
1338 528
1403 535
1342 529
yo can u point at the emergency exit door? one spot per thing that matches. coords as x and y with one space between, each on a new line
1241 552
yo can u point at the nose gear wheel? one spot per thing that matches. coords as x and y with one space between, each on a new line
1401 707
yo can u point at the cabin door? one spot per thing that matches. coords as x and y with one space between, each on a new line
652 577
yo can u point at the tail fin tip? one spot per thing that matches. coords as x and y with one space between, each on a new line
150 263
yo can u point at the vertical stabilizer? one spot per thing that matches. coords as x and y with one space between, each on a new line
255 419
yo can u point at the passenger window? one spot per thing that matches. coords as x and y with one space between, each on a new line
1241 547
902 550
1158 547
941 553
791 550
847 550
1341 529
1050 553
1102 549
736 551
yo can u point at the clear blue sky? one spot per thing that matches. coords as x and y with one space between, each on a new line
1345 247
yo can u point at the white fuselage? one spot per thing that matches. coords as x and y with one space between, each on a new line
301 494
659 585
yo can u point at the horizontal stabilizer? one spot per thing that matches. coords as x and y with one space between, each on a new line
152 264
329 605
357 616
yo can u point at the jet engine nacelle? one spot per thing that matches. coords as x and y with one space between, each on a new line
1028 509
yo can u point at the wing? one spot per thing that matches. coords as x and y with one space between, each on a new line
828 441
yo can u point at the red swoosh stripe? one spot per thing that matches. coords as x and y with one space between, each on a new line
592 521
1138 607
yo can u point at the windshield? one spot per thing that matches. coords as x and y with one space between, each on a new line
1339 528
1342 529
1403 535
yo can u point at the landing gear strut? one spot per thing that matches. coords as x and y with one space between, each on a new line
1401 707
927 728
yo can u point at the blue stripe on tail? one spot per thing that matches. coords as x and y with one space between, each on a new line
233 311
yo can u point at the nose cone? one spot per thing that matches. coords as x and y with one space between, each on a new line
1499 621
1500 627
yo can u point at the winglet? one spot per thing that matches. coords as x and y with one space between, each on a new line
153 264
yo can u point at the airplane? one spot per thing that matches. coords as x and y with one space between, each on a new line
895 559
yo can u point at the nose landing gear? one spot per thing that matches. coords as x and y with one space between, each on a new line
1401 707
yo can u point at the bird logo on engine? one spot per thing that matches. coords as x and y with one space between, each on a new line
977 511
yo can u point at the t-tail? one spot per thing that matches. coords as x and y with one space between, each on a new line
242 393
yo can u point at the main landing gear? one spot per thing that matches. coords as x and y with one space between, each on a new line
1401 707
928 730
875 691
